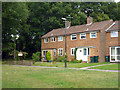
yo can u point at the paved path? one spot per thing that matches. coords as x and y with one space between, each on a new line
97 66
84 68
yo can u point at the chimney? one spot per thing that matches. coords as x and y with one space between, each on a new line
68 24
89 20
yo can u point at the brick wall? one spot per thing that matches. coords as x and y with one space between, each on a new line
74 43
111 41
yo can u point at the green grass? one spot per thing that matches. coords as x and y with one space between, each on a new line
73 65
36 77
107 67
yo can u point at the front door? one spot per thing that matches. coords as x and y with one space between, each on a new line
82 54
44 54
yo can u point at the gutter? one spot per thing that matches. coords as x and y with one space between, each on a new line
86 47
72 33
113 30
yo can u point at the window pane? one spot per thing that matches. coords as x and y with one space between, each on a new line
85 51
46 40
60 38
112 57
118 57
112 51
88 51
82 35
93 34
74 36
114 33
72 51
118 51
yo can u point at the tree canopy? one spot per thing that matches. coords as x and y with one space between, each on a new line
31 20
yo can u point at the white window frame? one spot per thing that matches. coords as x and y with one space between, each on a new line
60 52
53 39
59 37
91 34
45 40
82 35
112 35
72 54
72 36
114 55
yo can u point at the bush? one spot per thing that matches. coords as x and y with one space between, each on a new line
24 55
80 61
74 61
60 58
48 56
54 59
35 56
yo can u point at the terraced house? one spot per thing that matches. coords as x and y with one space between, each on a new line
91 39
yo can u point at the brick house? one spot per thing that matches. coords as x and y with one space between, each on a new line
91 39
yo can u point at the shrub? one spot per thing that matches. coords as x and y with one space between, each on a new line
54 59
35 56
24 55
74 61
60 58
48 56
80 61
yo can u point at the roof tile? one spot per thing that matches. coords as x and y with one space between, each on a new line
77 29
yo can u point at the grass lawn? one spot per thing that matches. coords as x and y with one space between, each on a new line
62 64
35 77
108 67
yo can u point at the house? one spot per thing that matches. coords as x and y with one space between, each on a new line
91 39
113 41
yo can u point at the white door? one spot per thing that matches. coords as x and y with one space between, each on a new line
81 54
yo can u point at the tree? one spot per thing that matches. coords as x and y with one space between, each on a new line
13 17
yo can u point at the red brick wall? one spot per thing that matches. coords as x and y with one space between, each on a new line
111 41
74 43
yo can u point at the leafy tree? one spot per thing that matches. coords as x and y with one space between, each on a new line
31 20
14 15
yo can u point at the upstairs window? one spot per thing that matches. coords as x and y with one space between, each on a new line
114 33
52 39
60 51
83 36
46 40
93 35
72 51
73 36
60 38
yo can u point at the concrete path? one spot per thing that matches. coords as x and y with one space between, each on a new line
84 68
97 66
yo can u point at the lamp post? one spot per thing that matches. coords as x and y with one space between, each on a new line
65 44
15 37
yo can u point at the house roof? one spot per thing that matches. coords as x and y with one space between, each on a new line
78 29
116 26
